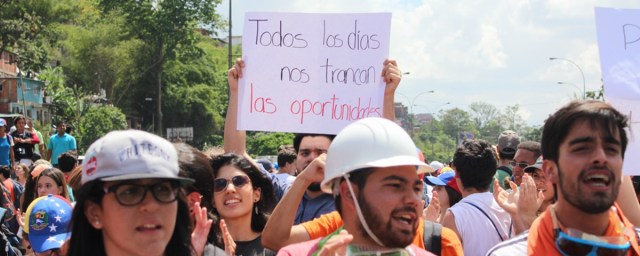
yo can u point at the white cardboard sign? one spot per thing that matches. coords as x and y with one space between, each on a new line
619 43
312 73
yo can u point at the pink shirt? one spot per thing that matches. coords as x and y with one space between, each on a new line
309 247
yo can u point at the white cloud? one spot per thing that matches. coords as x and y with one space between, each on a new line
489 48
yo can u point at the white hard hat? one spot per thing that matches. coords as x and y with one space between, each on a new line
369 142
436 165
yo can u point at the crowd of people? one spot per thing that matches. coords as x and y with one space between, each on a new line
365 191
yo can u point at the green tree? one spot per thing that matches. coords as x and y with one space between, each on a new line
28 28
482 113
267 143
512 119
98 121
455 120
196 93
165 27
68 103
532 133
99 55
486 118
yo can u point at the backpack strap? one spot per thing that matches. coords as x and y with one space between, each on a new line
432 237
492 223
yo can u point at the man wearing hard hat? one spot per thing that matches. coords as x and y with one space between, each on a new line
370 169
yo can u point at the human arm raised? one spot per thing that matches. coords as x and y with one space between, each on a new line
391 76
234 140
279 230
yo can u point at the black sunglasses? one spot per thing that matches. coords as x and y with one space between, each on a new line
128 194
521 165
238 181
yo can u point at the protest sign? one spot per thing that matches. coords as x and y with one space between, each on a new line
619 43
312 73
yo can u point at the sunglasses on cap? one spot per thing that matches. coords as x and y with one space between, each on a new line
575 242
238 181
521 165
128 194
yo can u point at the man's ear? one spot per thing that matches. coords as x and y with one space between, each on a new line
93 213
550 169
345 195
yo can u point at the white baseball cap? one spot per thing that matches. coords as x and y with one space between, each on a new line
131 154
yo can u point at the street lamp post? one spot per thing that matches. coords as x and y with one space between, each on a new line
414 99
229 43
584 84
411 114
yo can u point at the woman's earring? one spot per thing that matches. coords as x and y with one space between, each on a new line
256 208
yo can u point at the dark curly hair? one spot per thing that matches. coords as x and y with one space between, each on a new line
475 163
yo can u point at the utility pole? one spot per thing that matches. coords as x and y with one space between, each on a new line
229 43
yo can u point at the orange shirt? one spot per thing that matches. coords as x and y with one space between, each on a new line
9 185
541 239
327 223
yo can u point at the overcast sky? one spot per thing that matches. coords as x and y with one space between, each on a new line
496 51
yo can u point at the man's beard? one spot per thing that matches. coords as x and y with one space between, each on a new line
594 203
314 187
383 230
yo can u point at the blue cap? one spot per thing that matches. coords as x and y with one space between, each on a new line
441 180
3 122
49 218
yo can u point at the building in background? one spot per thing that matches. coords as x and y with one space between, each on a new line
18 94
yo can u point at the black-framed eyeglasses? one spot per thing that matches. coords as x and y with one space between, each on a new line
129 194
521 165
238 181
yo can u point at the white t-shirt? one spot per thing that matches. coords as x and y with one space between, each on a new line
480 232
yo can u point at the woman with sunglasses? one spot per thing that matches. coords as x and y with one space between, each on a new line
243 197
131 201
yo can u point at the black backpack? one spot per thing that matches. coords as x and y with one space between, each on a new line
433 237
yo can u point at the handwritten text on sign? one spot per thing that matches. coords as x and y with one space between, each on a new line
313 73
619 44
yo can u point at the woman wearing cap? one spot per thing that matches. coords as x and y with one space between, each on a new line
48 224
243 198
446 194
131 201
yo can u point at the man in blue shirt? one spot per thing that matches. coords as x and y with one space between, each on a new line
60 142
